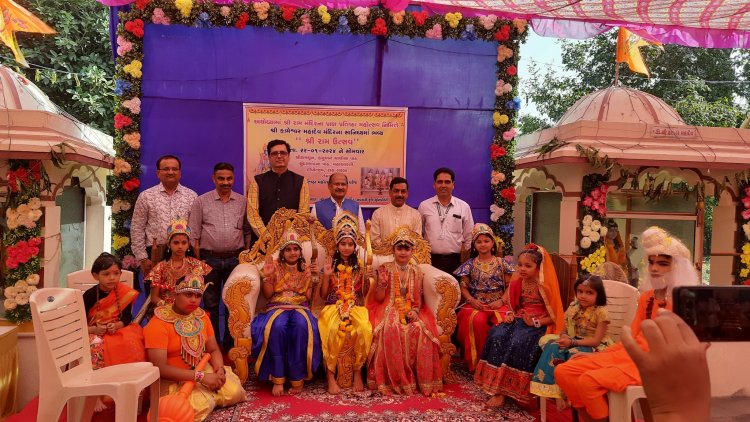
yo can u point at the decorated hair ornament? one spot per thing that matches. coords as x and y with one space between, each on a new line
178 226
291 237
532 246
191 283
345 225
480 229
657 241
404 235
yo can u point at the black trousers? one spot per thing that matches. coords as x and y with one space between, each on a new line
447 263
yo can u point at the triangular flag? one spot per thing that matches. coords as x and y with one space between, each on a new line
628 52
17 19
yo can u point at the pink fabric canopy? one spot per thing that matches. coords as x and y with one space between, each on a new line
696 23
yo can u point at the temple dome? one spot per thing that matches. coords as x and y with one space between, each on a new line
622 105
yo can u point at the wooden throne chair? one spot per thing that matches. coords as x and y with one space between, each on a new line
243 300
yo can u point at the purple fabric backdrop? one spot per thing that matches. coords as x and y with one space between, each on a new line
195 81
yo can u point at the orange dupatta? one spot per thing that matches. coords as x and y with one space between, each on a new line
549 288
108 309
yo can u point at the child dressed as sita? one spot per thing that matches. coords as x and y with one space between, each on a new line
113 339
178 262
586 322
509 355
405 354
345 330
483 282
286 342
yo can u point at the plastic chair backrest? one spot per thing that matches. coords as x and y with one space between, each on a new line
83 280
62 339
622 302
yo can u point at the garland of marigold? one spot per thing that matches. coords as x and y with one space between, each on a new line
22 242
123 186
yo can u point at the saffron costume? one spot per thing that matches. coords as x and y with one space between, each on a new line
579 324
124 345
184 339
587 380
286 341
508 357
345 330
486 284
405 354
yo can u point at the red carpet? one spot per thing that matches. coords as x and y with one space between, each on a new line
460 401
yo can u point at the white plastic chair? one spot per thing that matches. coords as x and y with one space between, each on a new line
83 280
62 342
622 303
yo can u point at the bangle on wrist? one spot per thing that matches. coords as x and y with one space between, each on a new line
198 377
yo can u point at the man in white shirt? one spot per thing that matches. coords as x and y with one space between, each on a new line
327 209
447 223
386 219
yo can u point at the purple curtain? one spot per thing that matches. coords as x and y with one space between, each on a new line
195 81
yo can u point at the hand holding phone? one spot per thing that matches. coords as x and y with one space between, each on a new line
715 314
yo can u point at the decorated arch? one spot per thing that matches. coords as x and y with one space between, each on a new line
158 103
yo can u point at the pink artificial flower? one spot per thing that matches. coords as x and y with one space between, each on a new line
123 46
746 201
436 33
604 188
596 194
746 214
588 202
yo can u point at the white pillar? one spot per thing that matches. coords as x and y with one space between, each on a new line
722 241
52 244
569 223
519 225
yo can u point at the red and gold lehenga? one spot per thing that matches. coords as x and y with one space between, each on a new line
124 345
165 277
404 354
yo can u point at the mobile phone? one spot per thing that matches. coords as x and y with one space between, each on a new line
715 314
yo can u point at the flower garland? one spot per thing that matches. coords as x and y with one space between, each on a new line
345 294
403 306
744 239
123 185
593 223
26 182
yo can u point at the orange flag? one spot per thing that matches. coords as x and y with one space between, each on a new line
17 19
628 52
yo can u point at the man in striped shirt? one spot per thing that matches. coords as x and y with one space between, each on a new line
216 221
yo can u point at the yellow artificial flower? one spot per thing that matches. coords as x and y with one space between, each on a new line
184 6
134 68
120 241
744 272
453 19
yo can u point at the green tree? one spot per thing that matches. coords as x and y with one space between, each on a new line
81 47
678 77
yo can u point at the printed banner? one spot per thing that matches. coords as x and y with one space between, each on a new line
367 144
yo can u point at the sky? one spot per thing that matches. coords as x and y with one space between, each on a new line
543 51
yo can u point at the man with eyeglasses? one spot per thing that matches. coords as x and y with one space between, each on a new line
275 189
327 209
156 207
